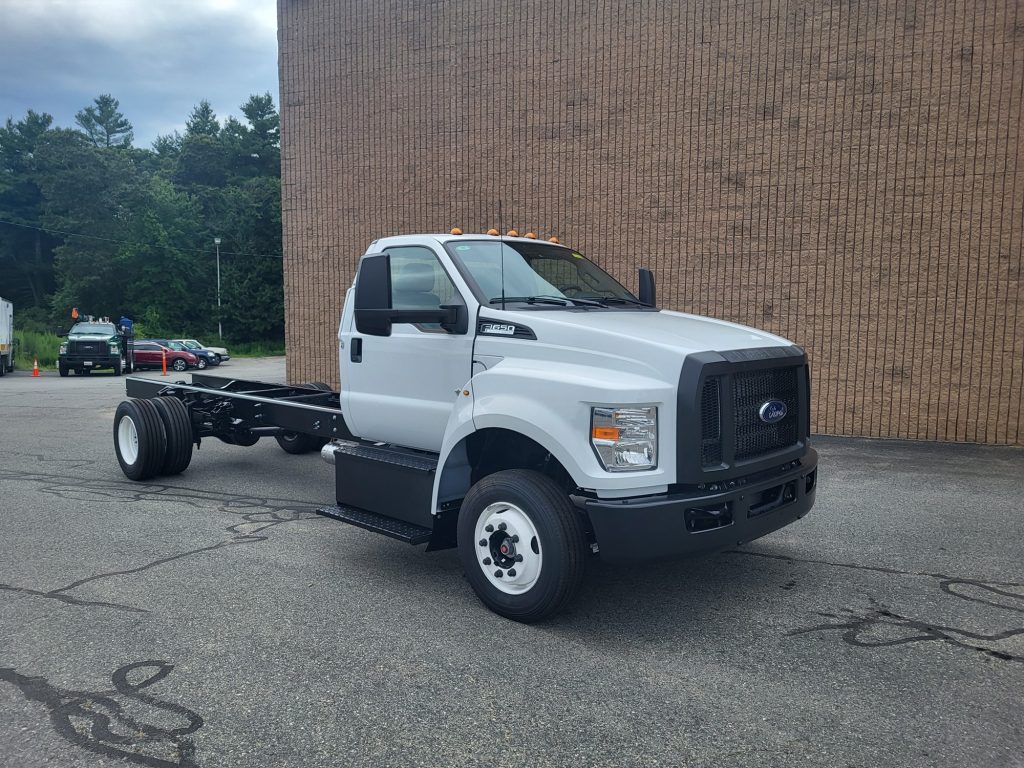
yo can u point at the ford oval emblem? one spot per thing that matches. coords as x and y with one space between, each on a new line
773 411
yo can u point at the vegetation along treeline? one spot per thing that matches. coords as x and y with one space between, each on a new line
88 220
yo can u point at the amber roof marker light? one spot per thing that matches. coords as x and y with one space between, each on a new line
511 233
456 231
492 232
530 235
554 240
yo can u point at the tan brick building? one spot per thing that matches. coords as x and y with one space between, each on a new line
847 174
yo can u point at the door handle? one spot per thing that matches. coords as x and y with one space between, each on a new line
356 355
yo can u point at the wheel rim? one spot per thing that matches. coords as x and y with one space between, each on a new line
179 365
201 364
128 440
507 543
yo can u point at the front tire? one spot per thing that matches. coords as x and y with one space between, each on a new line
62 370
119 367
522 544
140 439
201 363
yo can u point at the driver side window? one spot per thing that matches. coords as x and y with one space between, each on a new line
418 281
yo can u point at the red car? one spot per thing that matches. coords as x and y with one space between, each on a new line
149 354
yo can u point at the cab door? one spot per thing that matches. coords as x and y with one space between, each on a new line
401 388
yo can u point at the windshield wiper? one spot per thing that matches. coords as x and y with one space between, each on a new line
605 300
561 301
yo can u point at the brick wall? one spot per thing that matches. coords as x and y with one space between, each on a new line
846 174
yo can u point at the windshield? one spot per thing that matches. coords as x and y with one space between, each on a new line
106 329
177 345
540 274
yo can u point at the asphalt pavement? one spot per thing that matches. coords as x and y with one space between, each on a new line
213 619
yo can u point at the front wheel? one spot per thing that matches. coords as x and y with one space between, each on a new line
522 544
62 369
201 363
118 367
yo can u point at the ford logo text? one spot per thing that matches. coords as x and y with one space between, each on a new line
773 411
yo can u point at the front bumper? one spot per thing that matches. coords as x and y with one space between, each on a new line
79 360
701 521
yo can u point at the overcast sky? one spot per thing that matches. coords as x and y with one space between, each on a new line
158 57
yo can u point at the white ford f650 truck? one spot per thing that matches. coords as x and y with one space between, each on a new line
507 396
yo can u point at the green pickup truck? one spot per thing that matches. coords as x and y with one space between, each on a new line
93 345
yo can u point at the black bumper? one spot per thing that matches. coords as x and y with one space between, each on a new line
701 521
79 360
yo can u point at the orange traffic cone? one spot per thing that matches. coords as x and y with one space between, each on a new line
35 366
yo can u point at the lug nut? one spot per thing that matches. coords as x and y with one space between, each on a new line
515 538
487 561
511 571
498 574
489 528
519 558
502 526
483 542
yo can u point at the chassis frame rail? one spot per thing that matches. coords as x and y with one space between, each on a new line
240 409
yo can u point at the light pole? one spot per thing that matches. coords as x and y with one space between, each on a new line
220 329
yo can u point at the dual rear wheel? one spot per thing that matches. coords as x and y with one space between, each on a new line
152 437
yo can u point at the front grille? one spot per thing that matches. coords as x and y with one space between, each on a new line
710 423
750 390
87 347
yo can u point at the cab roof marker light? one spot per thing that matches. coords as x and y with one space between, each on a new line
456 231
511 233
492 232
554 240
530 235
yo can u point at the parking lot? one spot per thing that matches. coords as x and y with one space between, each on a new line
213 619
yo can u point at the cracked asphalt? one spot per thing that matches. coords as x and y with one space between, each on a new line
212 619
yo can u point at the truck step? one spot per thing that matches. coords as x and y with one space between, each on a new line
371 521
388 454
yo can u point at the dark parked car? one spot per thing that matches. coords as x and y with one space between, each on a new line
204 357
149 354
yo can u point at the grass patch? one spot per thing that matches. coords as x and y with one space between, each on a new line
32 345
257 349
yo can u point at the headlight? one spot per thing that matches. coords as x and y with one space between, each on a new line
63 349
114 349
625 439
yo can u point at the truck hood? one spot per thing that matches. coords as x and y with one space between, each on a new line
91 337
646 343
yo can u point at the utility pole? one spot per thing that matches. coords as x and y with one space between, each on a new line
220 328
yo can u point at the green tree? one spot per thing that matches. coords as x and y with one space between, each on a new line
103 123
26 252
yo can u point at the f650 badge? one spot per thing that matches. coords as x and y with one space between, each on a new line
500 329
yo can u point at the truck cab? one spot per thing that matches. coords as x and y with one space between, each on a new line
528 377
94 345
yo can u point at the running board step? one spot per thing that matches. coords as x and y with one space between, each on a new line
371 521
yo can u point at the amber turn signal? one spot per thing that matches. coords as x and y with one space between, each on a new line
605 433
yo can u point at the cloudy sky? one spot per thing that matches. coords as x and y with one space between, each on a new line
158 57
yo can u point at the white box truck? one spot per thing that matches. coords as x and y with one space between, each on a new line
6 337
506 396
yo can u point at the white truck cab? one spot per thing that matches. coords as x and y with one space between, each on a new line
520 370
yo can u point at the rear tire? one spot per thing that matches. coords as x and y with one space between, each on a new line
296 442
179 364
140 440
119 367
542 569
178 426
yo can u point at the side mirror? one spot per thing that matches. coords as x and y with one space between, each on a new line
60 332
648 291
373 295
